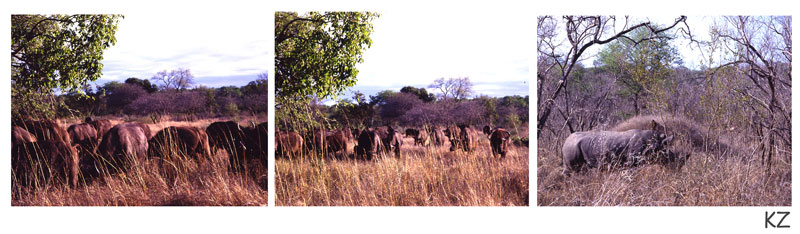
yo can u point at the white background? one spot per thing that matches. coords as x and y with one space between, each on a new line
381 219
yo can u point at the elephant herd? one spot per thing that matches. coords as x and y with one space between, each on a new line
386 140
42 150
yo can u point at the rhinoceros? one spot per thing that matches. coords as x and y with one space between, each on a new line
609 148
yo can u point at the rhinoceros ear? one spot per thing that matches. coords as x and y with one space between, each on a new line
655 126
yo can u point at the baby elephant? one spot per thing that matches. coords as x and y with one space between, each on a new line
629 148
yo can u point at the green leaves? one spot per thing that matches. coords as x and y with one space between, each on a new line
56 52
316 53
642 64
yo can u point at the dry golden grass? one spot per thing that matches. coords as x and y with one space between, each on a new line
421 177
705 180
187 182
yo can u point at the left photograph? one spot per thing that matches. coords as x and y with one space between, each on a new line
138 110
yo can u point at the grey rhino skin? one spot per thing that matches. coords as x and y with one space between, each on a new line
608 147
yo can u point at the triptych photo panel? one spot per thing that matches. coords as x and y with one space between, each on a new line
391 108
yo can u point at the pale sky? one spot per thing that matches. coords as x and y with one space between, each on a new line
413 48
691 55
219 51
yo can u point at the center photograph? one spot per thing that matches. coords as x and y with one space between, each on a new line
401 109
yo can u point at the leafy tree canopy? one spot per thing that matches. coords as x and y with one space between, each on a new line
145 84
639 65
56 51
419 92
316 53
643 69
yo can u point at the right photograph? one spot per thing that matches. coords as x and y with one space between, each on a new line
664 111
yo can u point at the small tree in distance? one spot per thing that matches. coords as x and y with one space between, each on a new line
179 79
455 88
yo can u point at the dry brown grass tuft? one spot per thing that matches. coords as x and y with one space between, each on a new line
187 183
201 184
421 177
705 180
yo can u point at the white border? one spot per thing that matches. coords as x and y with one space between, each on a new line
382 219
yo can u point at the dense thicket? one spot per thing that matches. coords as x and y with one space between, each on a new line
140 97
408 108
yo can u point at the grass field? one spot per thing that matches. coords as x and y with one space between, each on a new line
705 180
423 176
188 182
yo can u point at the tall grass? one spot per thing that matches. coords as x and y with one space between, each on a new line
705 180
422 176
181 181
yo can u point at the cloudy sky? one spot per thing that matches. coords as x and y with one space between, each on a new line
413 48
219 51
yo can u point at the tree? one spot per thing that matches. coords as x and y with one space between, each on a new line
396 105
468 112
254 95
490 105
55 52
381 97
256 87
316 53
85 101
145 84
455 88
119 96
228 91
419 92
582 32
179 79
353 112
641 68
760 50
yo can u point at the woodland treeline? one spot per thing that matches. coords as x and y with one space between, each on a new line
410 107
141 97
741 87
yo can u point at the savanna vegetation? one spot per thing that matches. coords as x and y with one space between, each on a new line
316 54
730 109
55 59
